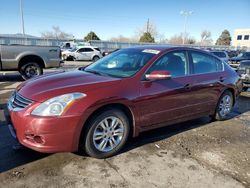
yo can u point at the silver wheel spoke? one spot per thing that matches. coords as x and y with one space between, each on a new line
108 134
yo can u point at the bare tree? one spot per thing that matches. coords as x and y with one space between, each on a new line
178 39
206 38
149 27
56 33
121 38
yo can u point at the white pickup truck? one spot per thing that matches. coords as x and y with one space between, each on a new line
29 60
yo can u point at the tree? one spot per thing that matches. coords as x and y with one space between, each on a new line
148 27
56 33
206 38
121 38
91 36
178 39
224 39
147 37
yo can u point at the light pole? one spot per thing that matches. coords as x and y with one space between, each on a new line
22 20
185 14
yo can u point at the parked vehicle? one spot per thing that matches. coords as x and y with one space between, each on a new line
97 108
109 52
244 72
235 61
89 53
29 60
221 54
66 54
72 45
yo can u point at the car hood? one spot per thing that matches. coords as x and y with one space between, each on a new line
47 86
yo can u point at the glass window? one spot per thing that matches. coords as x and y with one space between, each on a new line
239 37
174 62
204 63
97 49
246 37
81 50
219 54
122 63
89 50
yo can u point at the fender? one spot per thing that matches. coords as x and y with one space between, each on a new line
28 53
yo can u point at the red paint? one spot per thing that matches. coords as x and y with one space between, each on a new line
152 103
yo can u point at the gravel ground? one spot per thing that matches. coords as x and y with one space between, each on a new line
196 153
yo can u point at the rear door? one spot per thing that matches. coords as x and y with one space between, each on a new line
208 77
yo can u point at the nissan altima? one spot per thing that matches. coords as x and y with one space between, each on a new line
97 108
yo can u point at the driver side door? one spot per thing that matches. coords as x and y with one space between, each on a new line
168 100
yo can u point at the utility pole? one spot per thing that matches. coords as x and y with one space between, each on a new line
22 20
148 26
185 14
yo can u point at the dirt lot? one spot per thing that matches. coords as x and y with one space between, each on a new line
197 153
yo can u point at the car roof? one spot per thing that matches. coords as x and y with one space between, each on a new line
165 48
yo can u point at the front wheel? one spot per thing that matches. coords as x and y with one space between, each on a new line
224 106
30 70
106 134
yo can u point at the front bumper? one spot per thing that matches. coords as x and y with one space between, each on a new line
48 135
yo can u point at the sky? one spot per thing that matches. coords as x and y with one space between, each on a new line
111 18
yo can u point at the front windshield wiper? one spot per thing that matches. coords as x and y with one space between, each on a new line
95 72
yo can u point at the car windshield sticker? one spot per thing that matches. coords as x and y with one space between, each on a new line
151 51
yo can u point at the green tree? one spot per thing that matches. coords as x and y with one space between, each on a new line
147 37
224 39
91 36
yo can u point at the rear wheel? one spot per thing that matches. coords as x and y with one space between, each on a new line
224 106
95 58
106 134
30 70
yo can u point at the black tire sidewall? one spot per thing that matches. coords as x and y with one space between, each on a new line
88 138
95 58
23 68
217 113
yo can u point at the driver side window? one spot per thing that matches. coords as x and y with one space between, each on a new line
173 62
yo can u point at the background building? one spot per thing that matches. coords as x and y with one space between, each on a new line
241 38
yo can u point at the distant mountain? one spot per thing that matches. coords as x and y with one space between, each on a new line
18 35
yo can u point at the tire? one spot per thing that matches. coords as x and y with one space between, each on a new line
65 58
95 58
224 106
106 143
30 70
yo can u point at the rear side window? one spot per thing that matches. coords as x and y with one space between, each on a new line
174 62
219 54
204 63
97 49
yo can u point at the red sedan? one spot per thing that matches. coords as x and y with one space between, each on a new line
132 90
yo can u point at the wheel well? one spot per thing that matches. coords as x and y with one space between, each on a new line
119 106
95 56
30 58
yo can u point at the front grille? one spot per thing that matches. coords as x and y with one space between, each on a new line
18 101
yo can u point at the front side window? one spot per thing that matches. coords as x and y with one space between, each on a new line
122 63
239 37
204 63
89 50
81 50
173 62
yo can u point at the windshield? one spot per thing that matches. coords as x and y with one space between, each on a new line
121 64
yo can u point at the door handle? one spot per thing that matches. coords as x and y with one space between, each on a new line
187 86
221 79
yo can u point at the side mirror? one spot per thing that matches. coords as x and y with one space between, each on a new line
158 75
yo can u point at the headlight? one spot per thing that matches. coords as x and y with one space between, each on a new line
56 106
